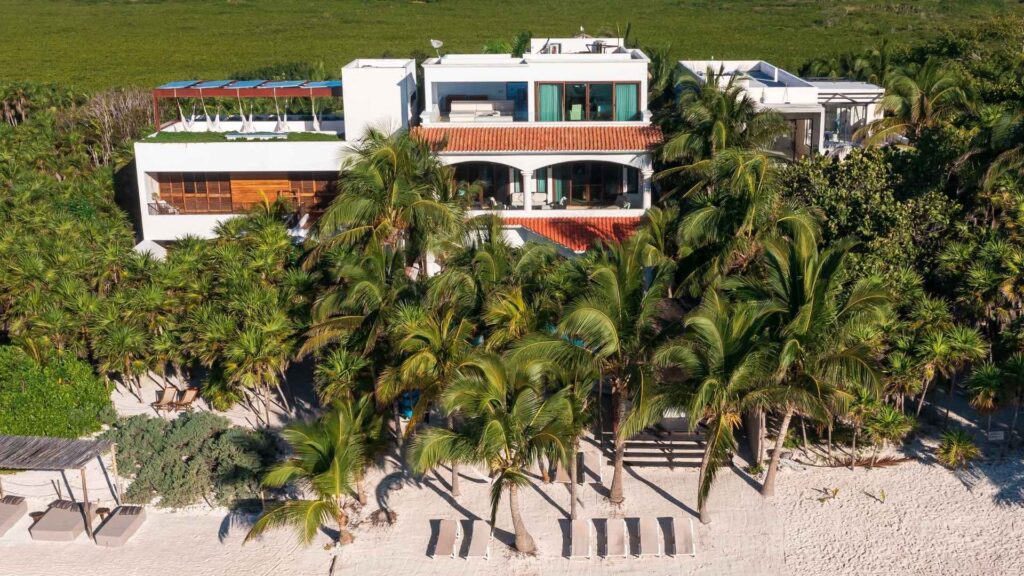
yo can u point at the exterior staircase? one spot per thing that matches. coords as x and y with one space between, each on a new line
657 448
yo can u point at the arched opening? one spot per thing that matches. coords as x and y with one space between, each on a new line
590 184
489 185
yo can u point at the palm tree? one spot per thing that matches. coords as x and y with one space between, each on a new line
918 97
330 458
121 349
510 423
432 344
616 321
887 425
388 196
1013 368
713 115
823 329
957 449
863 406
257 358
724 357
985 386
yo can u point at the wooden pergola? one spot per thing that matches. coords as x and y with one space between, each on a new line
58 455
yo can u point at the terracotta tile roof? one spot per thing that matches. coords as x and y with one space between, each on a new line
578 234
542 138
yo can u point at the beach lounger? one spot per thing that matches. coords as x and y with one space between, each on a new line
12 509
62 522
561 474
480 540
650 537
188 397
682 538
166 400
447 535
120 526
617 545
580 534
591 469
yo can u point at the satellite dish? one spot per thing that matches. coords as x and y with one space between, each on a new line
437 44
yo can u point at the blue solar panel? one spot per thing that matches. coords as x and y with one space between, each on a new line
178 84
284 84
246 83
323 84
212 84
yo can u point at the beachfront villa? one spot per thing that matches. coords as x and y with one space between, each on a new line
558 142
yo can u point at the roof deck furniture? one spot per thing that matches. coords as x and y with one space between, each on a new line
447 536
580 535
63 521
12 509
650 537
188 398
120 526
480 536
481 111
166 400
682 537
616 545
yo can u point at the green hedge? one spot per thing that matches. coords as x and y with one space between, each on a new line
63 397
198 456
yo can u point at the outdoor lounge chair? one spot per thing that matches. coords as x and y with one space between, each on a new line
650 538
166 400
580 534
12 508
682 537
188 397
120 526
616 544
62 522
480 540
591 469
447 535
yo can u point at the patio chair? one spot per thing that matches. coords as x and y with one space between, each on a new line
188 397
166 400
62 522
650 538
120 526
480 536
447 535
617 544
682 538
12 509
580 534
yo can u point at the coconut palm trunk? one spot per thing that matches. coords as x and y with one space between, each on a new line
853 457
455 465
920 399
702 500
616 495
573 503
524 542
768 489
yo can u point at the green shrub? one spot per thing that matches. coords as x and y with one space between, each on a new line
63 397
957 449
196 457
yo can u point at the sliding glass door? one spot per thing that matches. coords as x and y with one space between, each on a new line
588 101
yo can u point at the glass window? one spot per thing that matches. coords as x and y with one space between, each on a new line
575 102
600 106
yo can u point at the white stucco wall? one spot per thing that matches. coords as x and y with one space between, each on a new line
378 93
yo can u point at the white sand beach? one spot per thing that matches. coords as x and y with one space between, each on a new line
932 522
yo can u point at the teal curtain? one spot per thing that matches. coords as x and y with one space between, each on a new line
550 102
626 106
542 180
559 182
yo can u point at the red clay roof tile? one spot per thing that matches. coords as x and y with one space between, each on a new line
542 138
578 234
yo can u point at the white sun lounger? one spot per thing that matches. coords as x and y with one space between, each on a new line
12 509
62 522
650 537
580 534
616 544
120 526
682 537
480 540
447 535
591 467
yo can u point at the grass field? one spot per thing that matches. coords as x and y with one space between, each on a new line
93 44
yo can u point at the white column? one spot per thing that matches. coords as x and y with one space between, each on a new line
645 186
528 187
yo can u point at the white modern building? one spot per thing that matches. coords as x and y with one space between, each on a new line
558 141
823 114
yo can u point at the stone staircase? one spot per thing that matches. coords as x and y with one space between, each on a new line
658 448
